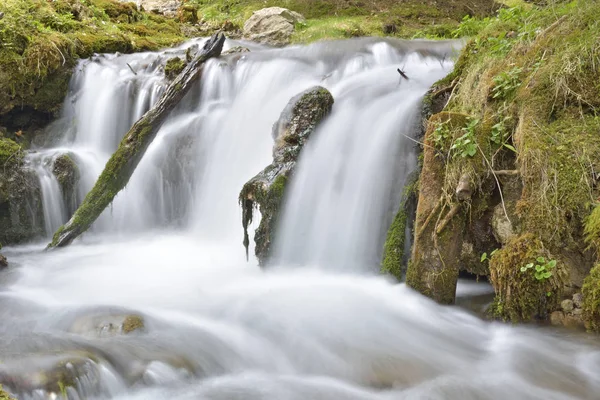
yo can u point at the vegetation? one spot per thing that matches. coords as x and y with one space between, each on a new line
4 395
529 77
42 40
338 19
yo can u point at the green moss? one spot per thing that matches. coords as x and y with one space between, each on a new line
10 152
519 295
591 299
174 67
42 42
4 395
133 323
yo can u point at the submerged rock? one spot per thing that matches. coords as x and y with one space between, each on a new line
71 375
295 125
21 212
273 26
107 324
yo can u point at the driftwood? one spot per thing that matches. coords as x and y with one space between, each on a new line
123 162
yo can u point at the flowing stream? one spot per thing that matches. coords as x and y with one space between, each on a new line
320 325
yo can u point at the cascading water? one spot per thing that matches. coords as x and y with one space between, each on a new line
169 250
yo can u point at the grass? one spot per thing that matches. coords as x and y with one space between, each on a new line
534 70
41 42
339 19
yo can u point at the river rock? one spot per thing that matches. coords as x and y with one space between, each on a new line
297 122
273 26
557 318
3 262
52 375
578 300
567 305
107 324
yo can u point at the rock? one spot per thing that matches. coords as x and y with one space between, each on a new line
557 318
574 322
166 7
105 324
173 67
273 26
21 211
297 122
52 375
66 172
577 311
567 305
3 262
578 300
502 226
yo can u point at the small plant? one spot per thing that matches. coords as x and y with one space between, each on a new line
484 256
506 83
441 135
466 146
500 135
543 268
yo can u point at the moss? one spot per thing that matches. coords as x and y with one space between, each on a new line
4 395
519 295
42 42
174 67
132 323
10 152
591 299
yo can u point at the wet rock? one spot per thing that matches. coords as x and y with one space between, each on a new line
70 374
66 172
3 262
273 26
573 322
578 300
21 212
295 125
502 226
173 67
567 305
557 318
107 324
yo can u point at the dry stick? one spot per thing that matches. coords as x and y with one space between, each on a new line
135 73
507 172
453 211
497 183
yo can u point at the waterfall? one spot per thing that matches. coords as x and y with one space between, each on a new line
168 252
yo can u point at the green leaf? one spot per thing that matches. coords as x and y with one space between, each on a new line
539 276
508 146
541 260
483 257
547 274
552 264
539 268
523 269
530 265
548 294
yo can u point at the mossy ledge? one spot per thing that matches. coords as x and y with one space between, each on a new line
524 92
42 41
266 190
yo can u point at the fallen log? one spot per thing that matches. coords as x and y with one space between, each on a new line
123 162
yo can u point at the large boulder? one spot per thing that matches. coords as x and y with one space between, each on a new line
67 174
165 7
297 122
21 211
273 26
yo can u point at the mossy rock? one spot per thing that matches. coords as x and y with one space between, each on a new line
519 295
4 395
591 299
266 190
173 67
21 212
67 173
